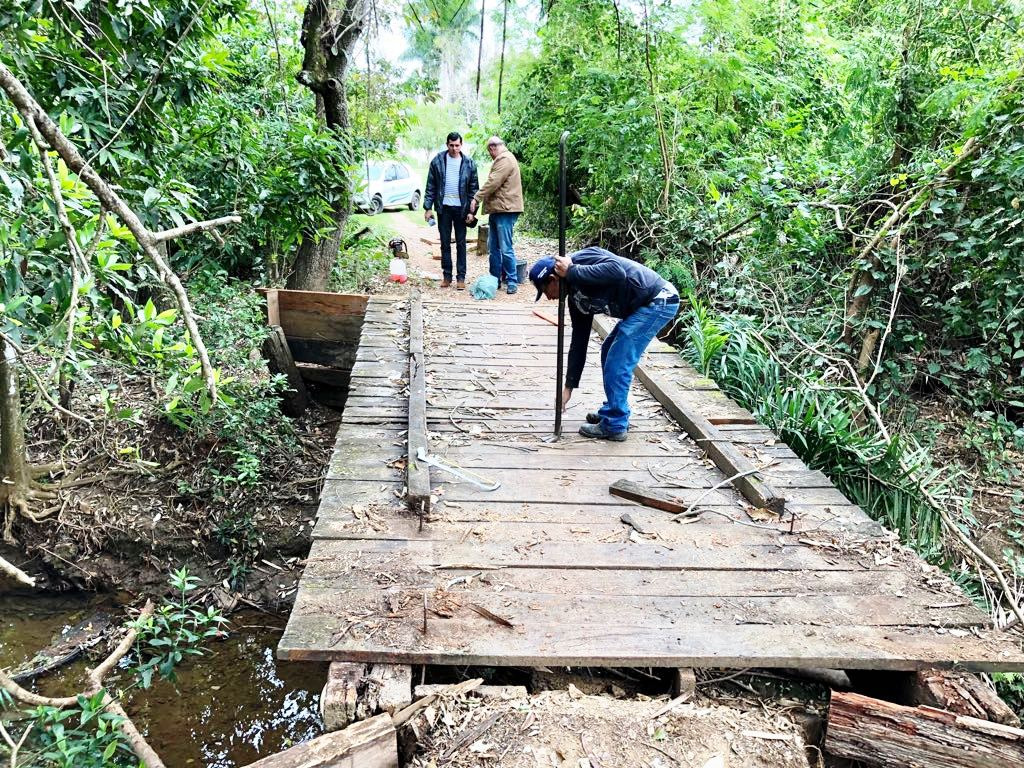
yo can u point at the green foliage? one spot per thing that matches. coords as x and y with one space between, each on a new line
380 108
364 259
995 440
79 737
102 60
175 631
788 136
705 336
248 427
1010 687
822 425
83 735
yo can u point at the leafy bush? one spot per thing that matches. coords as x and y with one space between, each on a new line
175 630
751 157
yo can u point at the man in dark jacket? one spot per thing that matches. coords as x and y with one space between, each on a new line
451 185
599 282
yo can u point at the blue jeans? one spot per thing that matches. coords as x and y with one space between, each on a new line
451 216
499 243
620 354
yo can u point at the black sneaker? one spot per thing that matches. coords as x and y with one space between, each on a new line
595 431
593 418
511 289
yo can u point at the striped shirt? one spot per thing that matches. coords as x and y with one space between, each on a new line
452 166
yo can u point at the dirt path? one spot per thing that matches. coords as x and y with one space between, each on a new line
424 265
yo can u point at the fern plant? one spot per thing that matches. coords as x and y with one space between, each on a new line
705 335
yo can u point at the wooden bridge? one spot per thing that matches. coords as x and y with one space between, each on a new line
550 568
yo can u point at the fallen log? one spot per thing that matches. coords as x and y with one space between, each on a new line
880 733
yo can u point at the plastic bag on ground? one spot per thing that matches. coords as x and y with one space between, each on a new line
484 287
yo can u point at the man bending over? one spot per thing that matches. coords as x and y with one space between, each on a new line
599 282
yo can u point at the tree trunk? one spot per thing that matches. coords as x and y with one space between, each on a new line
501 66
15 486
330 32
863 283
480 48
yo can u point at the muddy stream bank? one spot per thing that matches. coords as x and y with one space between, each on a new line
228 708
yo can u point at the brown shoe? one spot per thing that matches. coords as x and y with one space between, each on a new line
446 283
460 286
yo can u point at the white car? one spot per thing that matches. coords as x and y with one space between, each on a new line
389 184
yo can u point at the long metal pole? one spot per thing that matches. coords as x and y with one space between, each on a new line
559 374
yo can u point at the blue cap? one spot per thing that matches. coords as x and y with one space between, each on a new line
540 271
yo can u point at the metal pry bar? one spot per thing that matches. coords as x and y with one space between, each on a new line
463 474
559 372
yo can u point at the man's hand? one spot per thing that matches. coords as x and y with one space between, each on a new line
473 207
562 264
566 394
426 214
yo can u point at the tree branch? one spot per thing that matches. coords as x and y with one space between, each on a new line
16 573
912 474
39 382
199 226
70 235
109 199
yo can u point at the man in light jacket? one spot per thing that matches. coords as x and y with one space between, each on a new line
503 197
451 184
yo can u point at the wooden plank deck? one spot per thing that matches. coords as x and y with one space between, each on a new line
549 553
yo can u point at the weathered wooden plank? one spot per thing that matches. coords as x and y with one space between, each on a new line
540 611
643 556
717 583
709 530
825 520
342 329
388 688
328 353
876 732
599 631
368 744
340 693
318 374
456 490
417 474
649 497
271 308
323 302
645 417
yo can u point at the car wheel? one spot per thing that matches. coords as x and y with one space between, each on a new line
415 202
376 206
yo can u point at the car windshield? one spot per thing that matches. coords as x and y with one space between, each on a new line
376 172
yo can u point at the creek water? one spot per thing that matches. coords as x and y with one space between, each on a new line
228 708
